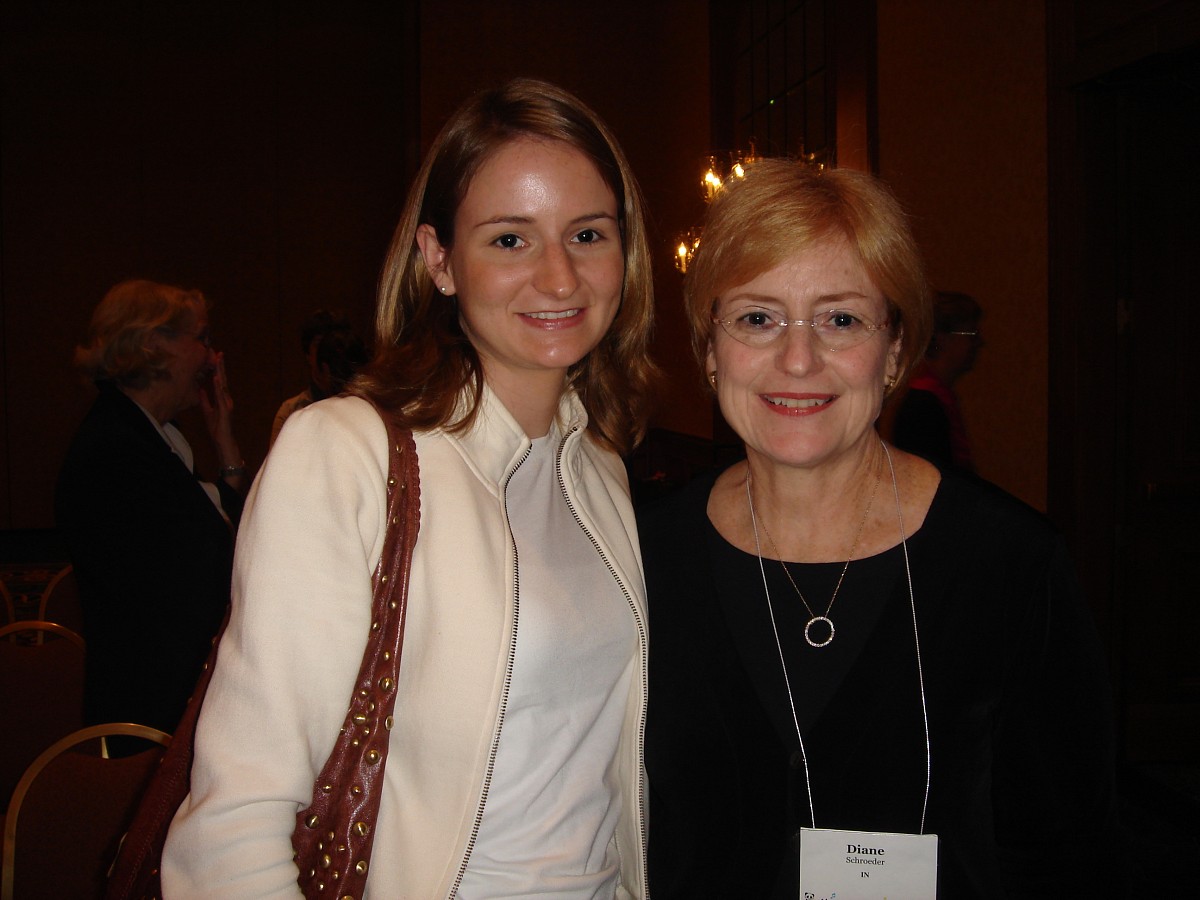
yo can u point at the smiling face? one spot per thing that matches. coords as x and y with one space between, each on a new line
794 402
536 264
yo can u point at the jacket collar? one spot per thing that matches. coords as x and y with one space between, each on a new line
495 442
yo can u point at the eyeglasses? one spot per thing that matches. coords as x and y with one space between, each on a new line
836 329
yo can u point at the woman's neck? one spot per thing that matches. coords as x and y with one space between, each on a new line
815 514
532 401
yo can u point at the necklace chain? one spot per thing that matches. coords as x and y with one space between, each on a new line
813 617
912 601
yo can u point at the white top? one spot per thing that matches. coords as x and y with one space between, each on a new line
554 800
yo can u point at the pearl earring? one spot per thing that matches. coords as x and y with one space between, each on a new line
712 379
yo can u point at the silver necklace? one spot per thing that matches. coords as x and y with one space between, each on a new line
916 641
813 618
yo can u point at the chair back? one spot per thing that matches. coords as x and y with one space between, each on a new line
69 811
41 694
60 601
7 608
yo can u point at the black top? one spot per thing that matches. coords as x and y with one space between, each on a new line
152 557
1019 717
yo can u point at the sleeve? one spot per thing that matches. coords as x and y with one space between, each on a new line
231 502
310 538
1054 769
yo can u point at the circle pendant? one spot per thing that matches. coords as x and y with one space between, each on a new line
808 632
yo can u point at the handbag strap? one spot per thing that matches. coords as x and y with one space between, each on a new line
333 836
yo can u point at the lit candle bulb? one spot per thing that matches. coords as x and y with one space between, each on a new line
681 257
711 182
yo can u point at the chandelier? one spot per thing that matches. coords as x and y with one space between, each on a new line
716 176
714 179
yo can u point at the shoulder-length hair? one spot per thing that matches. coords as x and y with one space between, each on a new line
121 344
423 361
781 208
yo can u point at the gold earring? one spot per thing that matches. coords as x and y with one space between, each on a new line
712 379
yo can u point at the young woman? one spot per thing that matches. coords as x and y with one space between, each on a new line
515 304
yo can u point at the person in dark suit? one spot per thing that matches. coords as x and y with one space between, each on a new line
152 544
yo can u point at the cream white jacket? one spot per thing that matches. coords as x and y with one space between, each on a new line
310 538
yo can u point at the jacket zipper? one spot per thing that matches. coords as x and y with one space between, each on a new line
642 645
508 670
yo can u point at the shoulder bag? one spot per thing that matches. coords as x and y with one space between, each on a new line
333 836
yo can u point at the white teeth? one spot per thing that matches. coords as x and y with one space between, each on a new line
789 403
565 314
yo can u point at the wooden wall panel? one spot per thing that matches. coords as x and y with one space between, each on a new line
962 140
256 151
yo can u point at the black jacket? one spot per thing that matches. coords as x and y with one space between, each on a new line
153 558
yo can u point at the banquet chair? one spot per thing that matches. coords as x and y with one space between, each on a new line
60 601
70 810
41 694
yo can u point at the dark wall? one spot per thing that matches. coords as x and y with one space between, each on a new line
261 153
255 151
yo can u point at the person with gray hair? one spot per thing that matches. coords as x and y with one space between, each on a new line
151 542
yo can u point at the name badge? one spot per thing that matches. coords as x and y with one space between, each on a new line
866 865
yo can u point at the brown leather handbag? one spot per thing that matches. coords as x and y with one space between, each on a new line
333 836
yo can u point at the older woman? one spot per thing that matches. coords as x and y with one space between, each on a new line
845 637
513 319
151 543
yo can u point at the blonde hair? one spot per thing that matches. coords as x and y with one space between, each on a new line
423 361
781 208
120 343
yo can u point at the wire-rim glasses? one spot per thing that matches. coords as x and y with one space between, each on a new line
834 329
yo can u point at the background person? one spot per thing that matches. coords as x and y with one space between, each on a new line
929 421
340 354
152 544
844 637
516 303
312 331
